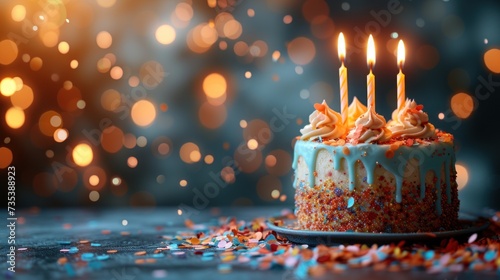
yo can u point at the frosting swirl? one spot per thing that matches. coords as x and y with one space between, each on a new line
323 122
355 110
370 127
412 122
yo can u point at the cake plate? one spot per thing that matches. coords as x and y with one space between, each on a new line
469 224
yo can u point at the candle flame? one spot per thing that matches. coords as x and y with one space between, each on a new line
401 53
341 47
370 57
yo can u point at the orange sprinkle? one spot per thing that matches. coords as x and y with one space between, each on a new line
111 251
409 142
346 151
67 226
194 241
125 233
319 107
389 154
106 231
150 260
84 241
62 260
140 261
140 253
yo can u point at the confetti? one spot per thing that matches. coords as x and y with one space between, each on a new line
350 202
472 238
102 257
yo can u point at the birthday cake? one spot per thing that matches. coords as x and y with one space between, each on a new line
368 175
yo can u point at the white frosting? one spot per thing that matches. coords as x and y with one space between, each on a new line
370 127
323 122
411 122
355 110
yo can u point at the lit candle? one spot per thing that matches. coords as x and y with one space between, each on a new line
401 76
344 102
370 79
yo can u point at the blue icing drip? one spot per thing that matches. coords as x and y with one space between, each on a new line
370 170
352 172
371 155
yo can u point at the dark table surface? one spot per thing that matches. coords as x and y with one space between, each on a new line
41 235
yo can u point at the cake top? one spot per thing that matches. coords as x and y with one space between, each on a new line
363 125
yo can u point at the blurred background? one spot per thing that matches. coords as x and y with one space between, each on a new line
195 104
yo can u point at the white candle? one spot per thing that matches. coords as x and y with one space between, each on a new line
401 76
370 79
344 102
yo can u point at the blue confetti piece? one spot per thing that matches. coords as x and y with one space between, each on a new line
87 256
64 242
280 252
95 244
381 255
173 246
102 257
490 255
208 254
73 250
428 255
350 202
159 255
207 258
303 268
270 237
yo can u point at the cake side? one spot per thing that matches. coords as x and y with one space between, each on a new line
376 188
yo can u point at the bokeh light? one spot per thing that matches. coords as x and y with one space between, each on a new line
94 178
18 13
14 117
8 86
132 162
190 152
22 98
49 121
104 39
111 99
165 34
143 113
9 52
60 135
36 63
492 60
82 154
462 105
462 175
6 157
214 85
94 196
63 47
112 139
301 50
